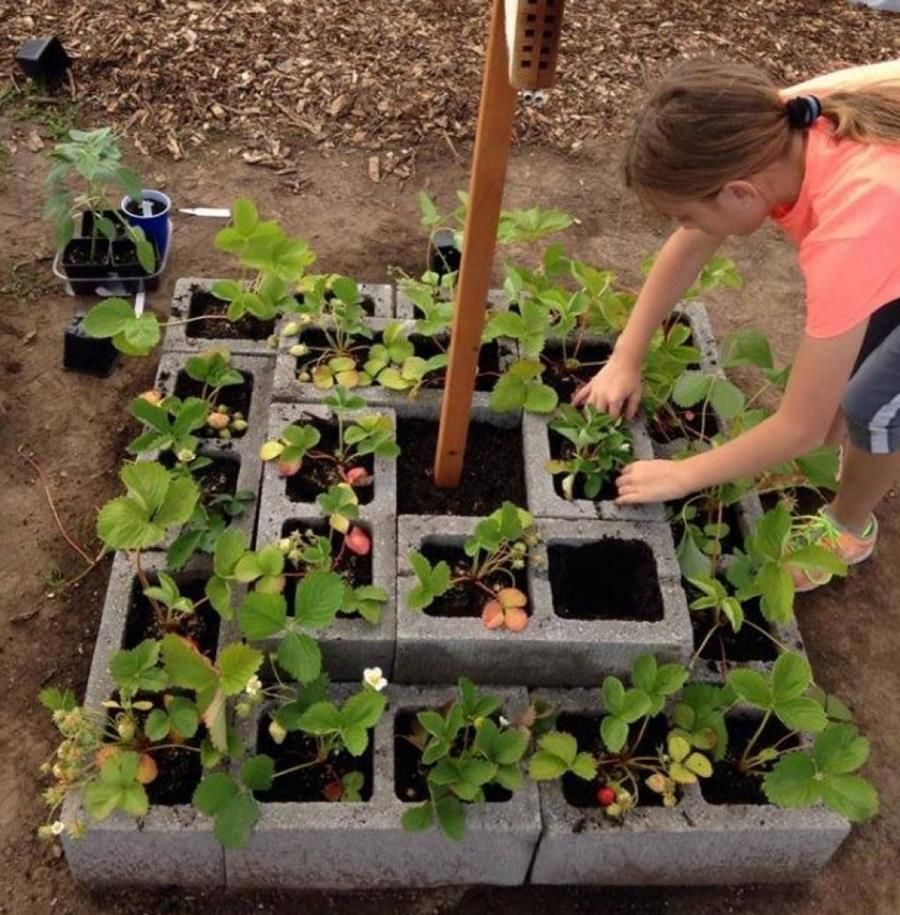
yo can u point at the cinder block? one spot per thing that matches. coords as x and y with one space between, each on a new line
701 330
178 338
275 505
551 650
424 403
350 645
171 845
692 843
364 846
543 499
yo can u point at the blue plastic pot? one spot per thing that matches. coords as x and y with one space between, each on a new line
157 226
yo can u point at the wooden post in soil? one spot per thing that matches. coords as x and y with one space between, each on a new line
523 45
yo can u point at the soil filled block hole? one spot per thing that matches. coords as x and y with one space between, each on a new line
467 598
606 579
142 622
586 730
210 311
728 784
410 776
725 645
493 472
317 474
219 478
236 397
566 371
315 782
562 449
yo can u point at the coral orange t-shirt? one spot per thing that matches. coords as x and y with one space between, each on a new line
846 225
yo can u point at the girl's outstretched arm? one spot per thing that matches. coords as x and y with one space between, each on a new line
820 373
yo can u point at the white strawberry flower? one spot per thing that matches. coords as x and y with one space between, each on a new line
373 677
503 722
57 827
254 685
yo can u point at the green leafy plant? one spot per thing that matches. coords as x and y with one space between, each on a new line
497 548
87 167
368 434
803 777
465 748
617 763
599 446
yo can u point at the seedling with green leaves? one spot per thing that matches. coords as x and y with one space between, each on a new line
272 264
599 446
618 762
334 729
466 749
368 434
497 548
806 776
87 170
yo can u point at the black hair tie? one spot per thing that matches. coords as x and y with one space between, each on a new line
803 111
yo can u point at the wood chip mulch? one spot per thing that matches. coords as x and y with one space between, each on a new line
392 75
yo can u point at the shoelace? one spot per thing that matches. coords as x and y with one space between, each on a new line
813 528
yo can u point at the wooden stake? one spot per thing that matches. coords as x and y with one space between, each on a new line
492 141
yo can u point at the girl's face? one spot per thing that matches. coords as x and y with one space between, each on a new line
738 209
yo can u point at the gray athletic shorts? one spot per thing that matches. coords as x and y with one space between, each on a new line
871 400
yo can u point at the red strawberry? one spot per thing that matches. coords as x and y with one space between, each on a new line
358 541
606 796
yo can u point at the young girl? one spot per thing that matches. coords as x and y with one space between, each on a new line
720 149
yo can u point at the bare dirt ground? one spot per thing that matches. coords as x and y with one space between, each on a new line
78 427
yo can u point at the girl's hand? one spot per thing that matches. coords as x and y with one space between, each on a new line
653 481
615 389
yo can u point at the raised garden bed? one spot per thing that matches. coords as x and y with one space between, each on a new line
358 845
695 842
248 336
551 649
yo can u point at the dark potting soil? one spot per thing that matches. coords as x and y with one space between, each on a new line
236 396
674 422
308 785
425 347
565 378
216 479
82 253
141 623
205 304
466 599
367 303
316 475
727 785
563 449
727 645
605 580
356 570
180 772
586 730
410 776
493 471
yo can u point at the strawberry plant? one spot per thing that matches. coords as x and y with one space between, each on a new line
371 434
599 446
497 549
466 750
617 761
799 777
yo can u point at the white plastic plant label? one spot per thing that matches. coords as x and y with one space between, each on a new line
892 6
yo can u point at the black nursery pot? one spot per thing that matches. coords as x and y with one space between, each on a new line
86 263
126 266
443 255
116 217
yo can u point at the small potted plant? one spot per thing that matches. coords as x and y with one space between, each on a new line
88 167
